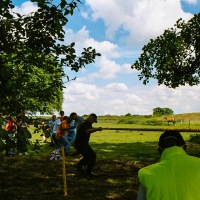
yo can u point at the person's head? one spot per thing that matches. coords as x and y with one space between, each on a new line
62 113
12 118
170 138
68 119
74 116
53 117
92 118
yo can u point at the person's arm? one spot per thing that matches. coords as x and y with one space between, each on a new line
67 128
92 130
6 126
24 125
141 194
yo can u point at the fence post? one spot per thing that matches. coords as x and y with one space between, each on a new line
64 171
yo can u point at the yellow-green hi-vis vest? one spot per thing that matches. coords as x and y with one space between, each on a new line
175 177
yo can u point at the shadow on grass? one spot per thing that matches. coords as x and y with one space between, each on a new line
37 178
127 151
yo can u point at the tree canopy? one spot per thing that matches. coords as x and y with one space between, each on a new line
33 56
174 57
162 111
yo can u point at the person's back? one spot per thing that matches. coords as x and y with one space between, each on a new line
63 128
72 131
78 119
175 177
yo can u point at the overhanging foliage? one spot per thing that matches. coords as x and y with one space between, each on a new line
173 59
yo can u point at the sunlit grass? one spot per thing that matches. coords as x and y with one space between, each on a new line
119 144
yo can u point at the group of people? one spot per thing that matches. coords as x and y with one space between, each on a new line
16 141
63 130
176 176
74 130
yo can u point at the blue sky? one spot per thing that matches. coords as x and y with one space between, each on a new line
118 30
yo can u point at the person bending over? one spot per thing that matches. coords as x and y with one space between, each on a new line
81 143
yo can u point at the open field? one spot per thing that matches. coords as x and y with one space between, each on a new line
120 154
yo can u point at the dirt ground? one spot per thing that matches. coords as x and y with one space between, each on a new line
29 178
37 178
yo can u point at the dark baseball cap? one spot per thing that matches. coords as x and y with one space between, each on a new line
171 138
95 116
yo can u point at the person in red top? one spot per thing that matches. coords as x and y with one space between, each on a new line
10 125
61 134
10 141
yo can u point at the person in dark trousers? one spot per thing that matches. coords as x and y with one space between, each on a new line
81 143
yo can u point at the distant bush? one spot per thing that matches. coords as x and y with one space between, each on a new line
128 121
195 138
152 122
147 116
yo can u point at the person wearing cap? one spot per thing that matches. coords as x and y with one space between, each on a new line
175 177
81 144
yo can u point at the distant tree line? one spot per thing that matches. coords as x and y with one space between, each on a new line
162 111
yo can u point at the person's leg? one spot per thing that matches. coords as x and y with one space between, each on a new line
66 144
19 143
89 158
54 139
73 138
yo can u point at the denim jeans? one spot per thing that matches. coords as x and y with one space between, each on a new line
63 141
70 137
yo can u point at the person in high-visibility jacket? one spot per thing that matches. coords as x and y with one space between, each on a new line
175 177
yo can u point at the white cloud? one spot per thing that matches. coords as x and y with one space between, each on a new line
84 15
126 68
26 8
108 69
117 87
119 99
142 19
83 40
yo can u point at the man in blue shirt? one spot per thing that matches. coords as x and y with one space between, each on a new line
78 119
51 125
55 127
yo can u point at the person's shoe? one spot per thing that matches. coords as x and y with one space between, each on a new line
26 153
91 175
20 154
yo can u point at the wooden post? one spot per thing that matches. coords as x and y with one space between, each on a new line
64 171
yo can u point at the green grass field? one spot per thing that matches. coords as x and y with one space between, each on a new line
120 154
125 143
